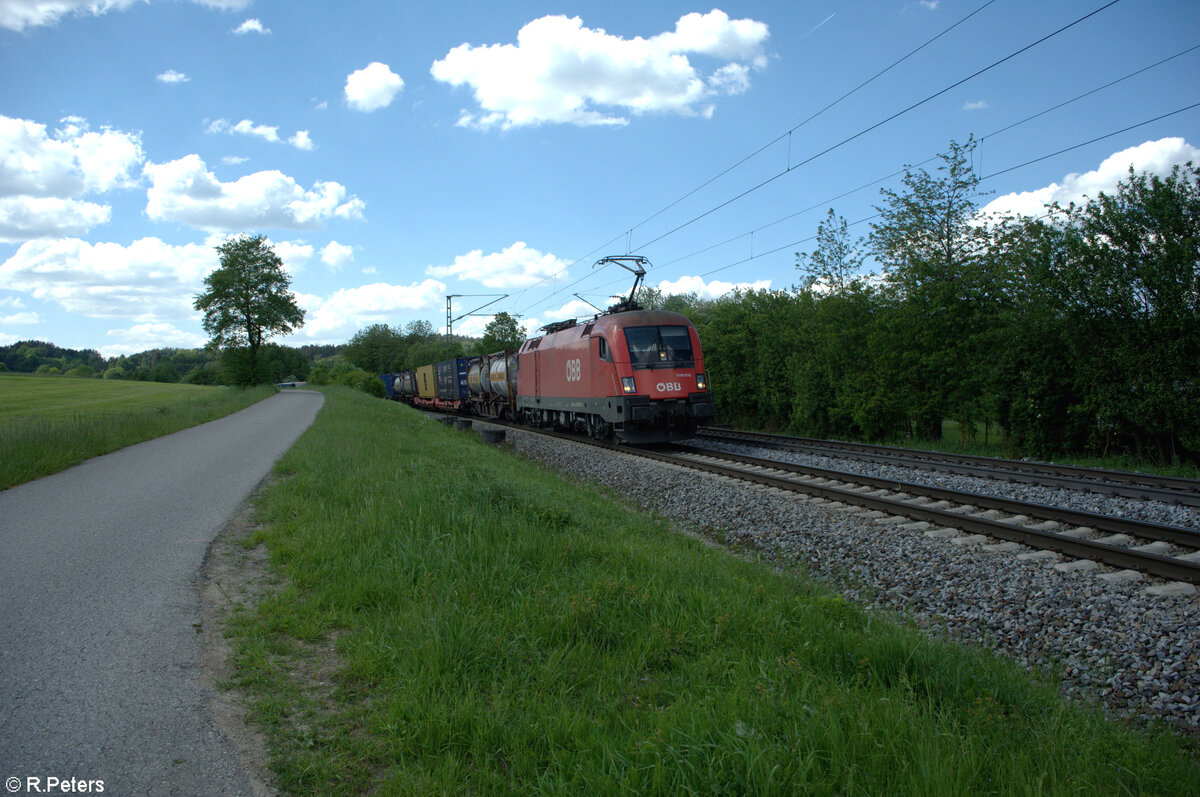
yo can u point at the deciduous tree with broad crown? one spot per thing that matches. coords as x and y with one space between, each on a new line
247 299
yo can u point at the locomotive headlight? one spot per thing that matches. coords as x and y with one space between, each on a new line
702 381
627 384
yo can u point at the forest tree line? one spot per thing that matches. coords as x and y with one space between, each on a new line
376 349
1077 332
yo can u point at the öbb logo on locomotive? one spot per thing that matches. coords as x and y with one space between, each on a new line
669 387
574 371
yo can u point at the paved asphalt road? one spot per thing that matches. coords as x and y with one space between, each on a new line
100 661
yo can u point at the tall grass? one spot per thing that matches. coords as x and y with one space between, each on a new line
456 619
48 424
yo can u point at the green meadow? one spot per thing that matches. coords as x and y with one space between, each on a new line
450 618
49 423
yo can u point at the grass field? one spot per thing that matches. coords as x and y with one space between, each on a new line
453 619
49 423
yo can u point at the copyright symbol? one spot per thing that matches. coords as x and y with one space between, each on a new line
13 784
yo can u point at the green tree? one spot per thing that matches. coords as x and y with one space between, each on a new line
835 263
931 249
502 332
202 376
419 331
287 364
164 372
247 299
1133 290
376 349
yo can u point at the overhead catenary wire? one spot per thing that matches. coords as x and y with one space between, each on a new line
992 134
791 167
879 124
831 105
983 178
628 233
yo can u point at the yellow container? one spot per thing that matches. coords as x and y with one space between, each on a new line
426 382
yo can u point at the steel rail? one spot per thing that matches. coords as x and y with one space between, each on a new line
1168 567
1179 535
1127 484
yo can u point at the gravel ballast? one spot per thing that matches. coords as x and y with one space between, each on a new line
1112 644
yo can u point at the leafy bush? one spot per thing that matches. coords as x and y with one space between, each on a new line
164 372
237 369
201 376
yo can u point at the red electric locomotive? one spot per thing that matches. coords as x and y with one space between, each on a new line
634 374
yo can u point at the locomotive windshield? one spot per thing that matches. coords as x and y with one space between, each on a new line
659 347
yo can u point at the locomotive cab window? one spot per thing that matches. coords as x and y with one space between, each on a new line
659 347
604 351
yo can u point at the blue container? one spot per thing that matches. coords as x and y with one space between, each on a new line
389 385
452 379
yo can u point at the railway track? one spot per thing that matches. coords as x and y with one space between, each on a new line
1168 552
1118 483
1131 546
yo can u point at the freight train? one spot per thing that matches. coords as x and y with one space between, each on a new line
631 374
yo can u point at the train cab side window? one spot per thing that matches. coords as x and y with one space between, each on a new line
605 353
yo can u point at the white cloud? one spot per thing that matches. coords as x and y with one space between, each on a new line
156 335
233 160
731 79
561 72
185 191
42 177
336 255
20 14
26 217
246 127
977 105
372 87
171 76
147 281
708 290
251 25
1156 157
518 266
74 161
224 5
21 319
302 140
340 315
294 254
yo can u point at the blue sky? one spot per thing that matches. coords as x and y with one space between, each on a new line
398 152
